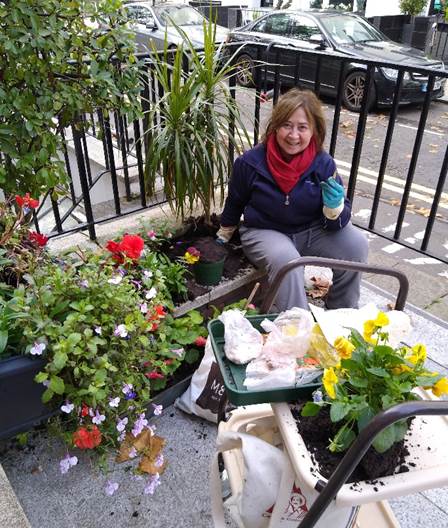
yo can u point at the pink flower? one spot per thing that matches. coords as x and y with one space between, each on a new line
200 341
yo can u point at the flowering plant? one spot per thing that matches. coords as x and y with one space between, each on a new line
104 325
372 376
192 255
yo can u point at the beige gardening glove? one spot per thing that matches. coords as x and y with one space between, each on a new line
224 234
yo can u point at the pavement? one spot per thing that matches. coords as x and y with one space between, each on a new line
34 493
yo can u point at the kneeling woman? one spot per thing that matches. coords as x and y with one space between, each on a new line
293 203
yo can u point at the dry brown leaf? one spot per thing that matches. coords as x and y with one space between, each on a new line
433 151
346 124
143 440
36 470
125 448
434 145
148 460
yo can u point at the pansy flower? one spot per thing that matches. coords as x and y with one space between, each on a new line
329 380
192 255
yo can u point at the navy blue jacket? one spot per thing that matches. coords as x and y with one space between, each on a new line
254 192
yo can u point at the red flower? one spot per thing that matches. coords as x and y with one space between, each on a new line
200 341
169 361
84 410
154 375
154 327
38 238
87 438
26 201
132 246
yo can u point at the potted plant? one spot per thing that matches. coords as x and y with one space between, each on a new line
207 259
197 123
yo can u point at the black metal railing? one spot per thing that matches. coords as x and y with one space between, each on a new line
122 149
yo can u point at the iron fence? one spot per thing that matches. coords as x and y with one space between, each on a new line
105 158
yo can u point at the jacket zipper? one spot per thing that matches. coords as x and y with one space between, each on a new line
287 199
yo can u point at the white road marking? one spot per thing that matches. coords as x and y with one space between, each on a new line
445 244
391 227
426 131
392 248
410 240
443 274
419 235
422 260
396 189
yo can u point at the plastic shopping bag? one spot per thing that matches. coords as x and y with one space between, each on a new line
242 342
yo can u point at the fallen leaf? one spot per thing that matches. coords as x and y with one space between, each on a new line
433 145
36 470
148 460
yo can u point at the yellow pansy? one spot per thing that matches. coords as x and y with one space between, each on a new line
381 319
344 347
401 369
418 354
190 259
329 380
441 387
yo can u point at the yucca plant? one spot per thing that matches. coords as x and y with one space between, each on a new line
194 123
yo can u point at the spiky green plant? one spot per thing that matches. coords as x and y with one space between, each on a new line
195 122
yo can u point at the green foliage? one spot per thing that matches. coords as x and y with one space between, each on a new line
412 7
239 305
189 142
371 377
57 62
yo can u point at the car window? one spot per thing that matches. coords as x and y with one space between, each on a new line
275 25
348 29
179 15
139 14
302 27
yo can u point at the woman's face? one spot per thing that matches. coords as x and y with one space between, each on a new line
294 135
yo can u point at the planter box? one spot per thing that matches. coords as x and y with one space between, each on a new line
21 404
428 460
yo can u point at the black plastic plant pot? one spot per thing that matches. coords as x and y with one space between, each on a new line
21 405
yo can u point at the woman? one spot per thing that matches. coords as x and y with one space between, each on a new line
293 203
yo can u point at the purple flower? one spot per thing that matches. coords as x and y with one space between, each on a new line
133 452
179 352
121 424
139 424
111 487
37 349
159 460
151 485
317 396
98 418
147 274
157 409
113 402
84 283
131 395
137 284
66 463
127 387
144 308
122 271
121 436
67 407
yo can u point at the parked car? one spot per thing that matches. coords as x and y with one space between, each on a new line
153 22
334 33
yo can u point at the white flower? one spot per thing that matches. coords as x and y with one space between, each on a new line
144 308
151 293
179 352
67 407
37 349
115 280
148 274
98 330
133 452
121 331
114 402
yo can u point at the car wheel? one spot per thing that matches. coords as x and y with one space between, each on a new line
245 70
354 91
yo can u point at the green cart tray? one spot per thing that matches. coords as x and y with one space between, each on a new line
234 375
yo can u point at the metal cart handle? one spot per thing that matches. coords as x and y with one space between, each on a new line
359 447
336 264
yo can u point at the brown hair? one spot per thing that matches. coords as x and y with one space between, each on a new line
288 104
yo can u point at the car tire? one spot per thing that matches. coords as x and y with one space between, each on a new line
353 92
245 70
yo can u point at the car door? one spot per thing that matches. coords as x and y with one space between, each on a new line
145 27
302 30
272 29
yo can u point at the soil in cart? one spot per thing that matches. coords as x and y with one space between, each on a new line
316 432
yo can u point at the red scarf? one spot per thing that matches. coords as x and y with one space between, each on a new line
287 174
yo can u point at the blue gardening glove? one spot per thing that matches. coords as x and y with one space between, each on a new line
332 193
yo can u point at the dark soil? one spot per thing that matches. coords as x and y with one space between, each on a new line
316 432
196 232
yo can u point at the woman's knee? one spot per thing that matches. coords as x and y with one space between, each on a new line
355 245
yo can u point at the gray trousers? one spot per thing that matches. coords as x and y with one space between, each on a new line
271 250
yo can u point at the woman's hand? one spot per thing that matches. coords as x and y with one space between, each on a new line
332 193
